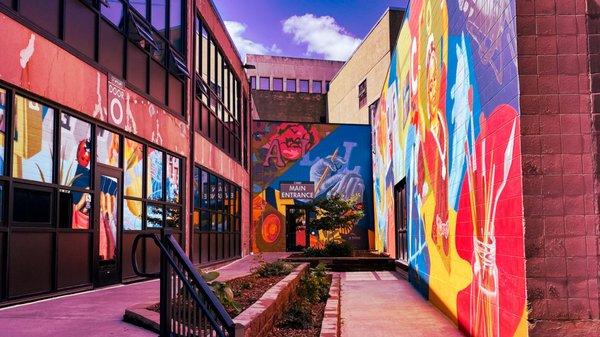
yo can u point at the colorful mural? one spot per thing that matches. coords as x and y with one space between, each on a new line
447 128
335 159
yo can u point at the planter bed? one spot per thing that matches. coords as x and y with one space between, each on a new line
317 310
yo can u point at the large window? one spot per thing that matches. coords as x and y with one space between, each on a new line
278 84
217 217
141 41
159 204
265 83
218 107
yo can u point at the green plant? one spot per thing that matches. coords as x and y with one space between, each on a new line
276 268
223 292
313 252
297 316
314 286
336 215
338 248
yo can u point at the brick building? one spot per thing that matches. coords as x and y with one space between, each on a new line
290 88
118 118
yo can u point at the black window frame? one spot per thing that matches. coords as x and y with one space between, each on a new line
217 105
223 218
127 33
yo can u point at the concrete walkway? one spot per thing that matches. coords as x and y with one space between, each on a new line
99 312
382 304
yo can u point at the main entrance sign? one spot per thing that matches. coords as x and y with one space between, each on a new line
297 190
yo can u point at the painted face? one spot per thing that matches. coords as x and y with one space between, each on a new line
295 140
433 82
83 153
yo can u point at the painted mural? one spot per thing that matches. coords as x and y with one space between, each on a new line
447 129
335 159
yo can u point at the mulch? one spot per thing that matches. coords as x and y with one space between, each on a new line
248 289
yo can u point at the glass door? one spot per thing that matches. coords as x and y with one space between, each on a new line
107 225
400 219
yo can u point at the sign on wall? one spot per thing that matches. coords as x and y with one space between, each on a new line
297 190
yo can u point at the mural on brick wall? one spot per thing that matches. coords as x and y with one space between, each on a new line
447 129
335 159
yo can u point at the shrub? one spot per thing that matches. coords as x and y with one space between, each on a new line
338 248
277 268
223 292
313 252
314 286
298 316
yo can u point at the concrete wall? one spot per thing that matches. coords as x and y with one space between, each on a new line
370 61
558 48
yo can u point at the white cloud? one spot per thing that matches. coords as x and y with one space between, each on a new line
244 45
322 35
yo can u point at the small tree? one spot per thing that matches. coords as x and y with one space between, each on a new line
336 215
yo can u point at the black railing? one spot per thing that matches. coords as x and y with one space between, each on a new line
188 307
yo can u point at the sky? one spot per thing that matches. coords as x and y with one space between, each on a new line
321 29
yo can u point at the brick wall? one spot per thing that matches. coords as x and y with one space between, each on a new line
560 171
290 107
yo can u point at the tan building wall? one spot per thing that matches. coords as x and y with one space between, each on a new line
370 61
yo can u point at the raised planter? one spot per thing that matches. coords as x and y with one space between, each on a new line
330 327
258 319
345 264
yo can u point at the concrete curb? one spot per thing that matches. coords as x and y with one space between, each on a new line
331 317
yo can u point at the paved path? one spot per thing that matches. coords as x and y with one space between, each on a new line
382 304
98 312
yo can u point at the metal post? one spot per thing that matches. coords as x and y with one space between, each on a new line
165 285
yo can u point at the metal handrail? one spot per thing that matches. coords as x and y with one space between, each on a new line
170 250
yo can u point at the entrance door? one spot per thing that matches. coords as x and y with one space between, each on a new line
400 217
297 236
107 225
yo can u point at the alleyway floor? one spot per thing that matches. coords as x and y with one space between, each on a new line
99 312
382 304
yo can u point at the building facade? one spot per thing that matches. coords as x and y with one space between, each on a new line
290 89
355 89
294 164
109 129
485 165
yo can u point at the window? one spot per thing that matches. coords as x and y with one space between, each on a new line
217 216
2 129
362 94
32 207
317 87
265 83
154 176
108 147
161 195
290 85
217 91
327 86
75 201
278 84
303 85
33 142
253 82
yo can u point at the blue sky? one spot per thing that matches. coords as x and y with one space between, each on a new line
325 29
